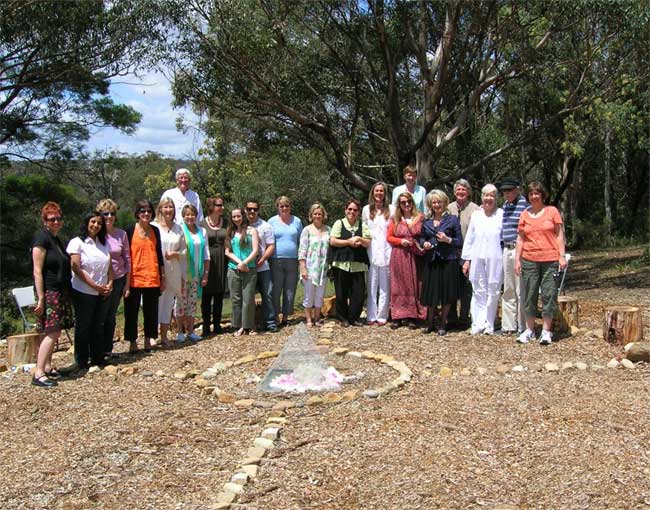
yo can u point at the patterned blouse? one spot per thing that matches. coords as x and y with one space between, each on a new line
313 250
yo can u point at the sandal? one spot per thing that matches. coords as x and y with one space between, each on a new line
43 382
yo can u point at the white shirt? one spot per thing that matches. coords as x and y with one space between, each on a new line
95 261
265 233
483 241
419 196
180 201
379 249
170 240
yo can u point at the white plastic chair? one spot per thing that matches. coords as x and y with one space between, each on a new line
25 296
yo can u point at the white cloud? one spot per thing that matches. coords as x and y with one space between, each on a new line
151 96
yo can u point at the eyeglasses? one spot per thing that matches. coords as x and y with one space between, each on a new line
144 210
108 214
405 202
253 209
352 209
54 219
285 206
218 205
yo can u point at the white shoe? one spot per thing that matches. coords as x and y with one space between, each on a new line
180 338
526 337
193 337
477 331
546 337
488 332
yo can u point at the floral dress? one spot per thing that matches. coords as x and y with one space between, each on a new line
313 250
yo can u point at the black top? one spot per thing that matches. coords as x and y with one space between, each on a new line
56 269
350 253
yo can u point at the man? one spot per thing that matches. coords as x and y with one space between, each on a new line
410 184
183 195
462 208
267 248
513 318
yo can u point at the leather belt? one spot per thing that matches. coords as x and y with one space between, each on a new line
510 246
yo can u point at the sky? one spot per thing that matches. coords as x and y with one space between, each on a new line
151 96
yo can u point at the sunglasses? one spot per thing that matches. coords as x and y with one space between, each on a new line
144 210
405 202
54 219
352 209
252 209
108 214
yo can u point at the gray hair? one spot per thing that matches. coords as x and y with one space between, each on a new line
182 171
464 183
490 188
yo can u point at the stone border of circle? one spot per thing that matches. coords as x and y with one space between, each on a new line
249 465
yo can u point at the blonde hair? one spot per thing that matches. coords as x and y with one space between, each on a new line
106 204
159 216
398 210
371 201
283 200
315 206
439 195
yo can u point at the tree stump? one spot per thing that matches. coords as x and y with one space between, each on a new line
623 324
566 315
329 307
23 349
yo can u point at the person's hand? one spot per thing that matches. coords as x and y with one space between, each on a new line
466 267
563 263
517 267
204 280
162 284
406 243
242 268
427 245
40 307
303 275
443 238
260 262
127 291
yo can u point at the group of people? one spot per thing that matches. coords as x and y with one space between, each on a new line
410 259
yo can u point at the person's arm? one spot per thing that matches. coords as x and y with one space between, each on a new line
269 250
38 260
256 246
161 260
559 236
518 252
75 263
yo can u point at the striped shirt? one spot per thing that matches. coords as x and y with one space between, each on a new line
511 213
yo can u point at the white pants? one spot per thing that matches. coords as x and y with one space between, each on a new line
513 317
314 294
378 302
485 298
165 307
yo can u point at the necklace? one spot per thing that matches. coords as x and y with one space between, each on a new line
143 232
215 226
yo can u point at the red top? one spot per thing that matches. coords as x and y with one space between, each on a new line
540 239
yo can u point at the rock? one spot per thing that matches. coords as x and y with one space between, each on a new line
324 342
264 404
220 506
233 487
249 469
370 393
368 355
385 359
227 364
327 335
340 351
613 363
239 478
276 413
331 398
271 433
249 461
445 372
202 383
465 371
502 369
626 363
267 354
481 371
350 395
128 371
426 373
267 444
399 382
567 365
519 368
406 377
597 367
256 452
218 367
552 367
275 419
181 376
226 497
146 373
245 359
354 354
110 370
94 369
284 405
3 368
628 346
226 398
209 374
534 367
244 403
575 330
160 373
580 365
314 400
639 351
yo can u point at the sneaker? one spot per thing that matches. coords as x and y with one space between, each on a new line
180 338
193 337
526 337
546 337
477 331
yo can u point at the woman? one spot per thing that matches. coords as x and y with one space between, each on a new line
483 261
195 265
212 300
170 243
441 240
312 258
349 239
242 245
377 215
540 253
92 285
406 263
284 261
52 283
147 277
118 245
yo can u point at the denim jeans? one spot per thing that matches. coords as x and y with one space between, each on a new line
265 288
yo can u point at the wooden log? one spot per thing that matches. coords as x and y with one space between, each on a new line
623 324
567 314
23 349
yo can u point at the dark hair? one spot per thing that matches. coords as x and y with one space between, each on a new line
140 204
232 228
539 187
83 230
48 208
212 201
252 200
355 202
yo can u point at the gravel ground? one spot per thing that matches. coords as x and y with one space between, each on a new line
531 440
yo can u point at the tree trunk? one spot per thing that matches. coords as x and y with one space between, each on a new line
608 184
623 324
567 314
23 349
